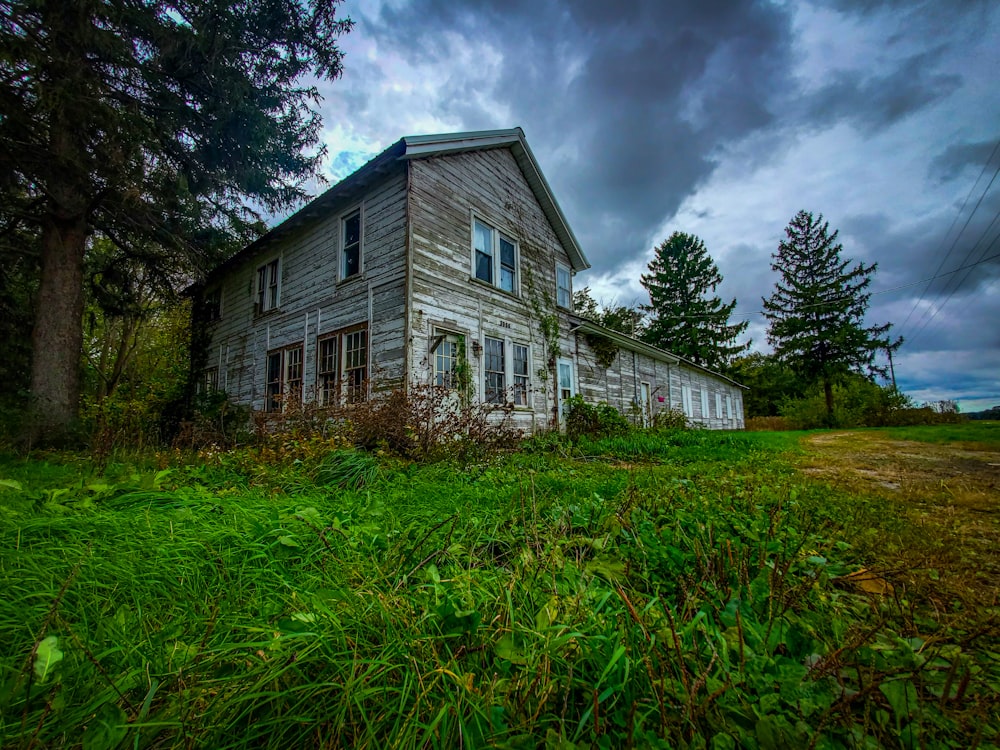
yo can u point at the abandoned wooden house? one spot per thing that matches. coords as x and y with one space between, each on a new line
444 259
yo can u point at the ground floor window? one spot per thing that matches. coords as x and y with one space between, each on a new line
284 378
496 369
505 372
718 405
686 401
521 379
446 351
342 366
209 380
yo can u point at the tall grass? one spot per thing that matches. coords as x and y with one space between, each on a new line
674 590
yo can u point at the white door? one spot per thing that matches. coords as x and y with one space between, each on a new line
567 387
646 404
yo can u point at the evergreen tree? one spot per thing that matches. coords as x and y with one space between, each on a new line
621 318
151 124
817 311
683 318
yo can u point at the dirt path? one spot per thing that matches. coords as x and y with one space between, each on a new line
949 493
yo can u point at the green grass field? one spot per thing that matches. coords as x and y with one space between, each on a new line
686 589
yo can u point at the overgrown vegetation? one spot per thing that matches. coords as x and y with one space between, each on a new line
668 589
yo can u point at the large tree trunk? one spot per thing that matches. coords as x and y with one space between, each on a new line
57 341
828 392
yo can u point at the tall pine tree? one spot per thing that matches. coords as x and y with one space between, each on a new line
685 317
817 311
150 123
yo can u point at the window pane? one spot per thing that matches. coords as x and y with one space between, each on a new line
483 242
506 252
563 290
272 388
495 369
520 375
484 267
506 279
352 229
445 358
352 245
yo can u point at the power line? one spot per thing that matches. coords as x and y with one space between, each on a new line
953 222
940 307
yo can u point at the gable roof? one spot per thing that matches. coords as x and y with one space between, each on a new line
422 146
418 146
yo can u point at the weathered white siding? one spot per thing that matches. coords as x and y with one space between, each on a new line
418 281
620 385
446 194
313 302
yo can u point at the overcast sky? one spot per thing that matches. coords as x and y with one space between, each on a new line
723 119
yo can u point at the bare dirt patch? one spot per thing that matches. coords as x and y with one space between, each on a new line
948 494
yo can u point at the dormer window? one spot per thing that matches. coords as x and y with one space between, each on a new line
494 257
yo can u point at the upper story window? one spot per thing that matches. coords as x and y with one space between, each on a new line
212 304
350 236
494 257
564 287
269 286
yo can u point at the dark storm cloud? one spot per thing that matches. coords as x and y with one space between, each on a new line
952 162
647 92
876 102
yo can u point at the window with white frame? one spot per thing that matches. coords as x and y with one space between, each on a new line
704 403
494 257
284 378
686 401
268 286
495 369
446 353
521 377
350 236
718 405
564 287
729 407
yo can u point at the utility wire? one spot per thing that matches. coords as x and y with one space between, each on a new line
955 221
916 334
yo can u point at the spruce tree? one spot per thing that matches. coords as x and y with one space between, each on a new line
817 311
153 124
685 317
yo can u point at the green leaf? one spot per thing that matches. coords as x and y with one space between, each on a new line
508 648
107 729
10 484
288 541
47 655
902 696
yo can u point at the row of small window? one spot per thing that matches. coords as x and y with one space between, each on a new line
495 261
341 371
687 402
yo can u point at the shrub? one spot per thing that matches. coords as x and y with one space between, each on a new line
670 419
858 402
594 420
